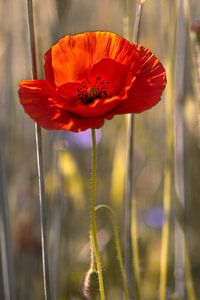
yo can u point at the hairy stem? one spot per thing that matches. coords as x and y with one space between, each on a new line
117 245
93 229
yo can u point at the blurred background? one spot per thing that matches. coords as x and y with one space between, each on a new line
165 29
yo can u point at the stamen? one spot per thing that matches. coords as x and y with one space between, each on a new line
88 92
93 92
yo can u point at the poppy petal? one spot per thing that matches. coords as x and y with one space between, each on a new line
48 68
99 108
72 58
39 101
91 77
112 72
69 92
146 90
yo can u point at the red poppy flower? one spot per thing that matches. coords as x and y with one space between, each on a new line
91 77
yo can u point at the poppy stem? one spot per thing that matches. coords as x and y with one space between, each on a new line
117 245
129 177
93 228
38 136
92 258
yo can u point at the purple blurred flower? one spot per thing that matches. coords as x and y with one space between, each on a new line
155 217
82 139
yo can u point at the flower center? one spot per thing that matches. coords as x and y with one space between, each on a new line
88 92
92 92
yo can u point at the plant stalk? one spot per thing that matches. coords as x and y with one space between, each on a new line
5 237
128 259
168 190
93 228
179 264
117 245
38 137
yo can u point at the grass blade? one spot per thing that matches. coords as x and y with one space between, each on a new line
129 175
179 146
169 155
5 237
38 136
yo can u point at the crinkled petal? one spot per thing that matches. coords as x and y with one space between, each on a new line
69 93
99 108
39 102
119 81
112 72
72 58
147 89
136 81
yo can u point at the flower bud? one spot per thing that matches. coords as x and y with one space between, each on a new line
91 285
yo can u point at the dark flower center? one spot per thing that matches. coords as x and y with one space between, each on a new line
88 92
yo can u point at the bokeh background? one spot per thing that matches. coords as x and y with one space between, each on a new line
67 156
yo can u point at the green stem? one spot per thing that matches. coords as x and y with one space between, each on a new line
92 255
118 247
191 294
168 189
136 258
165 234
93 229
